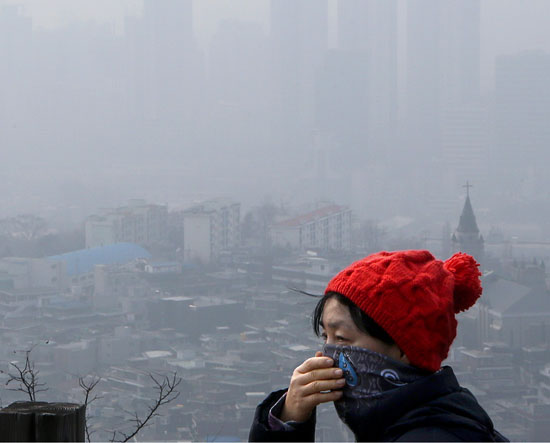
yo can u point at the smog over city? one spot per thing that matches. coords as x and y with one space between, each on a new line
176 175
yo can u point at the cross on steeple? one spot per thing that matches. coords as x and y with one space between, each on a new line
467 186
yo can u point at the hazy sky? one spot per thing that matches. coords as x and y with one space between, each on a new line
52 13
508 26
91 85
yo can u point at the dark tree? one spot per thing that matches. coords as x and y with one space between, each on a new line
25 377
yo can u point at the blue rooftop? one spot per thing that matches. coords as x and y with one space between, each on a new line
84 260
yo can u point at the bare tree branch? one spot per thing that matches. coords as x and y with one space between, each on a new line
26 377
166 393
88 387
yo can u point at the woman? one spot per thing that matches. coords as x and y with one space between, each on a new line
388 322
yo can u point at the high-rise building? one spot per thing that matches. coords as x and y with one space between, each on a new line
442 93
443 66
461 24
326 228
237 92
522 132
15 52
356 98
299 39
367 29
140 223
164 58
465 143
237 62
211 228
423 92
342 104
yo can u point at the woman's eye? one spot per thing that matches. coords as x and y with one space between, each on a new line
340 338
324 337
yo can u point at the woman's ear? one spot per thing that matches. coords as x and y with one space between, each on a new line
396 353
404 358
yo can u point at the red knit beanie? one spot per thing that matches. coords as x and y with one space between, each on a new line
414 297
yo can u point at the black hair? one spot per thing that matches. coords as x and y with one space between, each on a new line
361 320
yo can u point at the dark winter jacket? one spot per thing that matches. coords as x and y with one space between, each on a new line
434 408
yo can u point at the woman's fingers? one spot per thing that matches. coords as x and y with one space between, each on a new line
318 374
320 386
315 381
315 363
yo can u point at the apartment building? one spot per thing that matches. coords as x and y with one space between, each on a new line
326 228
210 228
140 223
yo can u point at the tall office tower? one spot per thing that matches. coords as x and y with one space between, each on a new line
522 132
442 65
356 106
342 105
442 90
465 143
237 62
15 76
461 52
299 38
16 84
167 58
237 93
424 86
367 30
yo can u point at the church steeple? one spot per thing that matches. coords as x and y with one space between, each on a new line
467 238
467 222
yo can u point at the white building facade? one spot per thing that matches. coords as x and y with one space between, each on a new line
210 228
326 228
139 223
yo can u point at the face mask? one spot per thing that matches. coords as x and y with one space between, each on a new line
368 375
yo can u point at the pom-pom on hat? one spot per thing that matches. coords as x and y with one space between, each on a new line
414 297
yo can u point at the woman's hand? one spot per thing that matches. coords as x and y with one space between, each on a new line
314 382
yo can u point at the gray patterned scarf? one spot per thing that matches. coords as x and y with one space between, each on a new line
368 375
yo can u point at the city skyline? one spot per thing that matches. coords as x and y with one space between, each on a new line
170 170
500 33
150 113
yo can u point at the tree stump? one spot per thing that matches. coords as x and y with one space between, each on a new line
40 421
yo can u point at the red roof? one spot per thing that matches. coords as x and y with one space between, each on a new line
311 216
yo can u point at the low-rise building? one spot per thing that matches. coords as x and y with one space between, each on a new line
514 313
27 272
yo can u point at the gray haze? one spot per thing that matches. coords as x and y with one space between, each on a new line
92 98
169 159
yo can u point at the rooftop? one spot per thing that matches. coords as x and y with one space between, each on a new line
210 206
501 294
311 216
157 354
536 302
84 260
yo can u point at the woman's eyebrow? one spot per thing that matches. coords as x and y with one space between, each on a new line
334 324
